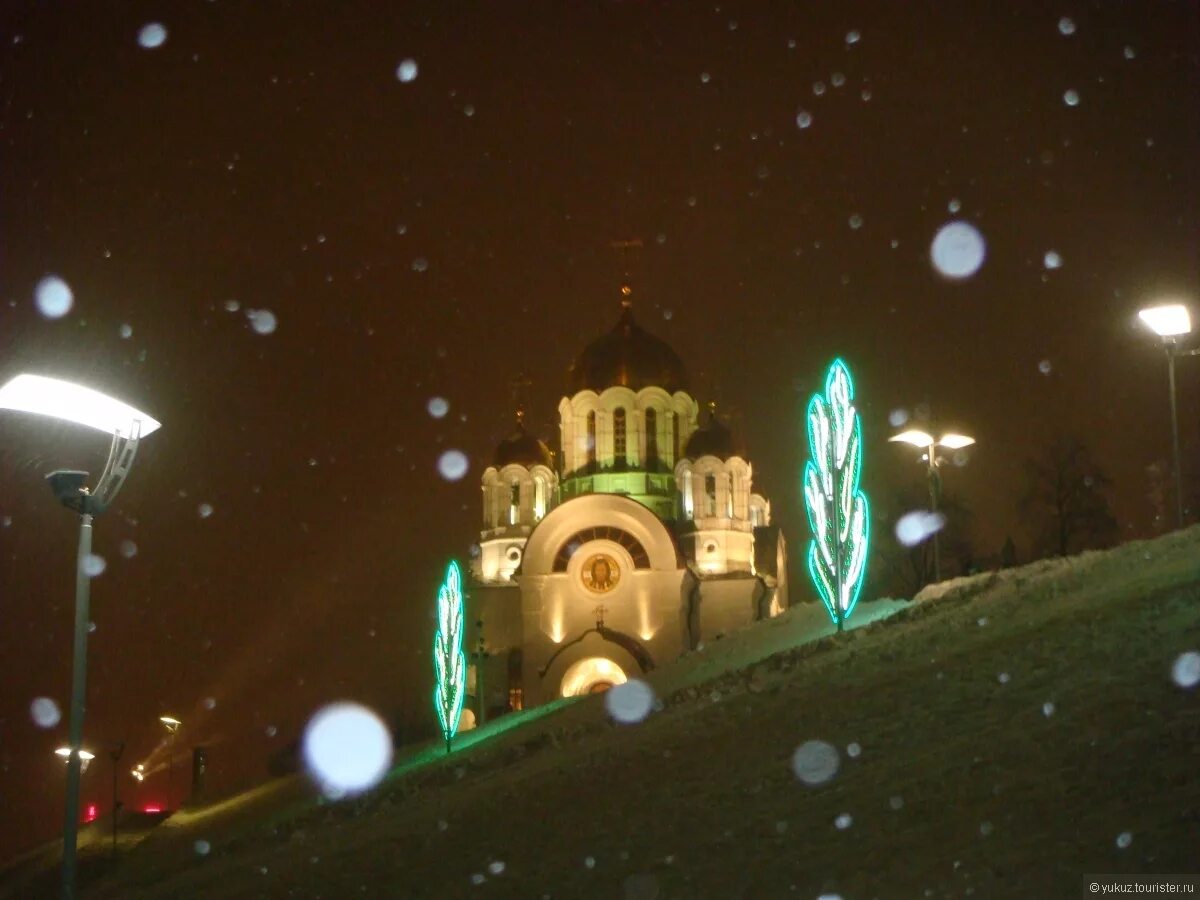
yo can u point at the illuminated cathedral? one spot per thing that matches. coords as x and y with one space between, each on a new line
642 537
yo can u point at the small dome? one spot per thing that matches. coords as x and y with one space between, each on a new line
711 439
524 449
630 356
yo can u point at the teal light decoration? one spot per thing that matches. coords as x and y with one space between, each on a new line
449 661
837 508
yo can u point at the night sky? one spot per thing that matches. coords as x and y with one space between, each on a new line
432 238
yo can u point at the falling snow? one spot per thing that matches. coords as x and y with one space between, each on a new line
44 712
629 702
1186 670
53 297
958 250
347 749
263 321
815 762
93 565
407 70
452 465
914 527
152 35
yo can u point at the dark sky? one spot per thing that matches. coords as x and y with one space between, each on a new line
267 153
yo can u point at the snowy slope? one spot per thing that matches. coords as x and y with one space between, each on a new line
967 782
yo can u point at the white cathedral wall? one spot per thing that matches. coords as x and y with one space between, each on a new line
722 550
573 414
555 609
727 604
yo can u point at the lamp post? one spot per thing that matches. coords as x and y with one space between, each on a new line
927 442
172 725
115 755
480 661
84 406
1169 321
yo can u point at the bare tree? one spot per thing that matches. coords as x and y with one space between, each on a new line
1065 504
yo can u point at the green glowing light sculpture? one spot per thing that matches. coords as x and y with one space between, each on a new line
837 509
449 661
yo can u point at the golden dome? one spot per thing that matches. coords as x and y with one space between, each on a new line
629 356
522 448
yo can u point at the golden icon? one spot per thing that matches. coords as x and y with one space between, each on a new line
600 573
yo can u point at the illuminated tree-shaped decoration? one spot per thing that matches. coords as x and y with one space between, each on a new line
837 509
449 661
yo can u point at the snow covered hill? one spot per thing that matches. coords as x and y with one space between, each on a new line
1000 736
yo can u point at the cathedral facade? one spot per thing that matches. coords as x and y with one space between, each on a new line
642 537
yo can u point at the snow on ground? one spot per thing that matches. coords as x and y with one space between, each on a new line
951 780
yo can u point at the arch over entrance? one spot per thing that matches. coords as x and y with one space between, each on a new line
591 675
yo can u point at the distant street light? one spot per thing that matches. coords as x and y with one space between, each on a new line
74 403
84 757
172 725
1170 321
950 441
138 772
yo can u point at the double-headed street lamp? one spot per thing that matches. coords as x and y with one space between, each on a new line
172 725
929 444
84 406
1170 321
64 753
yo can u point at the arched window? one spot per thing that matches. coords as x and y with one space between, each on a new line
710 495
514 503
619 435
674 438
591 438
641 559
651 438
539 498
732 479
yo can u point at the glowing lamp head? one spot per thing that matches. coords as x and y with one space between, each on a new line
1168 320
955 441
74 403
172 724
916 438
65 753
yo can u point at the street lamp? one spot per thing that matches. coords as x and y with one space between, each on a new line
1169 321
84 757
138 772
172 725
75 403
950 441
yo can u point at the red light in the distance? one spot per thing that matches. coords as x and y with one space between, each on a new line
151 809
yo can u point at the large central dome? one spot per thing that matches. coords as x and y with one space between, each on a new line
630 356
